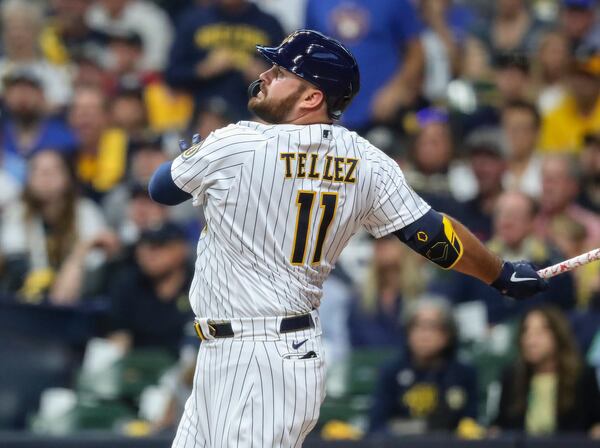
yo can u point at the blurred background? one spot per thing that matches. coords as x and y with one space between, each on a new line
492 109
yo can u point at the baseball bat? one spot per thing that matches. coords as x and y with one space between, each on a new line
570 264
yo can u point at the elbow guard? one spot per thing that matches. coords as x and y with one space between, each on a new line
433 236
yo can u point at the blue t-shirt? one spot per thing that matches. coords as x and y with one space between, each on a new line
442 395
376 32
54 134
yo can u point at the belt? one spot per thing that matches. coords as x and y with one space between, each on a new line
223 329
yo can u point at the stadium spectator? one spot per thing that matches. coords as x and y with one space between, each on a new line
561 175
140 214
66 36
102 155
511 76
384 37
548 389
166 109
570 237
139 16
145 155
553 58
579 22
589 161
214 53
124 52
444 40
513 28
430 171
513 239
426 386
380 304
128 112
521 124
47 238
487 159
578 113
150 295
21 24
211 115
26 127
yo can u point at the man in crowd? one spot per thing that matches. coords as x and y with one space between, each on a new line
26 127
213 54
150 295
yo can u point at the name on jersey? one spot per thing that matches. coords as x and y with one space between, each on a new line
310 166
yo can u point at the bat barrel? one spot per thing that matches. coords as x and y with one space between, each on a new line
570 264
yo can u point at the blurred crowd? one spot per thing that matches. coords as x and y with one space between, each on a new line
492 109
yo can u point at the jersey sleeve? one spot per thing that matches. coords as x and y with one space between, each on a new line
394 204
210 167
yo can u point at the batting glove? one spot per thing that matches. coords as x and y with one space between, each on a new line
183 145
519 280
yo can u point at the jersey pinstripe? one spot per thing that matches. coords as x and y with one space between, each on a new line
281 203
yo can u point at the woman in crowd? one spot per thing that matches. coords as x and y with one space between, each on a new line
548 389
426 388
47 239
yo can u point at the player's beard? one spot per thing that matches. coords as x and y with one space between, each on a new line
275 111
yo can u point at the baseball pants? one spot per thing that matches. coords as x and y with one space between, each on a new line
258 389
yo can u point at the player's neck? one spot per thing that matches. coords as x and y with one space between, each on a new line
316 117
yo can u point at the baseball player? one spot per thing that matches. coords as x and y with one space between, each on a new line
281 201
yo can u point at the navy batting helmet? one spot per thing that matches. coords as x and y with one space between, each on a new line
320 60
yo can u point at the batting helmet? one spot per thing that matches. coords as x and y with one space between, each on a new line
322 61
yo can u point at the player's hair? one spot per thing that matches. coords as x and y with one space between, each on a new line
568 363
524 106
62 234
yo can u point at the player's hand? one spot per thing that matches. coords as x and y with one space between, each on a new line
519 280
216 63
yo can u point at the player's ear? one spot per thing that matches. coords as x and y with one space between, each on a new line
313 98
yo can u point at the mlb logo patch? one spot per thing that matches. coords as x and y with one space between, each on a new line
326 134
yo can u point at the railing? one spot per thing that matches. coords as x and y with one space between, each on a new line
100 440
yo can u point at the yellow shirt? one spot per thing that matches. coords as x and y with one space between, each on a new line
541 407
104 169
563 128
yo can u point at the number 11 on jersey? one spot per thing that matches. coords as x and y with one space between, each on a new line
305 200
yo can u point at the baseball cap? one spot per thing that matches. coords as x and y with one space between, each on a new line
22 75
431 115
578 4
164 233
487 140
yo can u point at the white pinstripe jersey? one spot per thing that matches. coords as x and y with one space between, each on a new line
281 202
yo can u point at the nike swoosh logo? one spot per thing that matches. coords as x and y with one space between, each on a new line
297 345
514 278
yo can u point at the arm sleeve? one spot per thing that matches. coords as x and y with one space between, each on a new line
208 169
395 203
163 190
